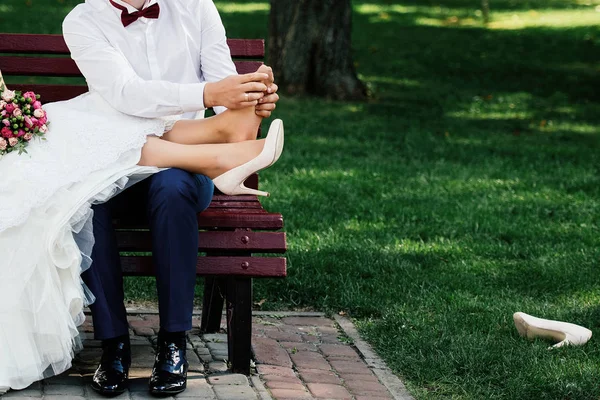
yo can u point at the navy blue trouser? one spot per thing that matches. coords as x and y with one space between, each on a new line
173 198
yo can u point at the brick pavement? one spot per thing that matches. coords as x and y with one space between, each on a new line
296 357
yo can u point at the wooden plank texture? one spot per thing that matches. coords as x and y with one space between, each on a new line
264 242
268 221
39 66
55 44
258 267
51 93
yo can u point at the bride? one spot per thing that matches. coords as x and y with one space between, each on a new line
92 152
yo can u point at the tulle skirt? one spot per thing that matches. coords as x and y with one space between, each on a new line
46 237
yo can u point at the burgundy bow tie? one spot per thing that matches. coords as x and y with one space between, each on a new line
126 18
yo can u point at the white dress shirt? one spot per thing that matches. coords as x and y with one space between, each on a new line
153 67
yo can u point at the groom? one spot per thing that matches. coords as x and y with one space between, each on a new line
153 58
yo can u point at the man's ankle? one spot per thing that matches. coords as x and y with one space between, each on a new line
111 342
179 338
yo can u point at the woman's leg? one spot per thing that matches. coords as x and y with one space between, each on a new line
211 160
230 126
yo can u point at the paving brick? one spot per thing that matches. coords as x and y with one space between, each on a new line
365 387
140 372
358 377
316 339
63 397
374 397
68 390
285 385
198 388
268 351
330 338
351 367
143 331
319 376
328 329
328 391
284 379
284 336
228 379
332 350
228 392
309 359
217 366
92 394
195 364
308 321
294 347
215 337
275 370
281 394
145 396
217 345
141 323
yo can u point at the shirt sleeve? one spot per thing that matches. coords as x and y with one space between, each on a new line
215 56
108 72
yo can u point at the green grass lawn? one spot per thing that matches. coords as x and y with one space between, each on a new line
466 189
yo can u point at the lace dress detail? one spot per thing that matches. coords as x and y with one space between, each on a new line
91 153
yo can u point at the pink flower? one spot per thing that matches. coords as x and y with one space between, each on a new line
37 105
8 95
21 133
28 136
3 144
3 113
44 128
39 113
6 122
2 104
17 112
27 119
35 121
30 95
13 141
6 133
42 120
10 107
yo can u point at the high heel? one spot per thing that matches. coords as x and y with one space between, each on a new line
232 181
564 332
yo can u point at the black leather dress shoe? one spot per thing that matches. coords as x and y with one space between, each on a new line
111 376
169 375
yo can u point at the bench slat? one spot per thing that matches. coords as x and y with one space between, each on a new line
52 93
263 242
55 44
66 67
267 221
39 66
259 267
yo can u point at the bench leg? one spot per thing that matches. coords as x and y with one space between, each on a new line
239 323
212 304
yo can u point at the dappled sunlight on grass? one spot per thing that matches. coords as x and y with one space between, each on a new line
235 7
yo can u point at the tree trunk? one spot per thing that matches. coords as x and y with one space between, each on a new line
310 48
485 10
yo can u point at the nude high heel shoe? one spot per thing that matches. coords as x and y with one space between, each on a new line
564 332
232 181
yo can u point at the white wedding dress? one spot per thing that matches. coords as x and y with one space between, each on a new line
46 235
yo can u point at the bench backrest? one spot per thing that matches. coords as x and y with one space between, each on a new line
48 56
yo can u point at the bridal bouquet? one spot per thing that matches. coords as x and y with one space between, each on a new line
21 119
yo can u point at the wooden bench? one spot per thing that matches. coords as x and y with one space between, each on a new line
233 229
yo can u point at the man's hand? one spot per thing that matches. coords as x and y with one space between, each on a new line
266 105
236 91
